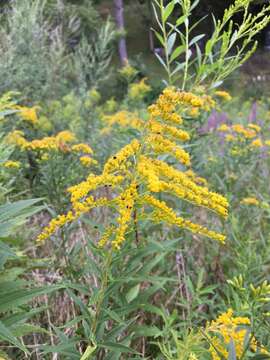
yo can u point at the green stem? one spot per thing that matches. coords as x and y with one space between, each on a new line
103 287
186 51
165 38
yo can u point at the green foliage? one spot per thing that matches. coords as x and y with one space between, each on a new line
228 47
45 56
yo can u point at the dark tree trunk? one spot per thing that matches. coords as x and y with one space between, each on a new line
119 17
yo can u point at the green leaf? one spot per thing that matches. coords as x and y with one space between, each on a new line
177 52
26 329
15 298
133 293
160 38
168 10
150 331
118 347
171 42
196 39
6 335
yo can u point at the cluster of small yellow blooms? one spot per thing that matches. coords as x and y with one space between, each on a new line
227 329
126 204
136 171
122 118
87 161
128 72
28 113
250 201
106 236
138 91
82 148
17 138
57 142
9 164
117 161
224 95
237 134
164 213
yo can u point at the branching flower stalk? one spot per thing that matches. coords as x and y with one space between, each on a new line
137 173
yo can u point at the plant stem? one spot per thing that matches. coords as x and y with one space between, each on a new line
103 287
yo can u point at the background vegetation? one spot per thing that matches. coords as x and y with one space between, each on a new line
134 200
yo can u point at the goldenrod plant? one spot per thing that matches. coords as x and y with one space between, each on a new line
191 60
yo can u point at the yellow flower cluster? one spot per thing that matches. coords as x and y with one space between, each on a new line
160 145
126 202
135 171
238 134
57 142
9 164
227 329
249 132
179 184
163 213
250 201
82 148
158 128
118 161
124 119
87 161
128 72
224 95
28 113
17 138
137 91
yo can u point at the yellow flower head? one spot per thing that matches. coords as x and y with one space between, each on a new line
257 143
137 91
224 95
82 148
17 138
128 72
9 164
28 113
224 128
226 329
86 161
250 201
255 127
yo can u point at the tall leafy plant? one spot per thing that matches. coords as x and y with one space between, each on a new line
189 58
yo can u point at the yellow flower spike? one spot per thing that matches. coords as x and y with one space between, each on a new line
225 329
115 161
224 95
106 236
126 204
255 127
10 164
250 201
161 145
224 128
82 148
28 113
17 138
87 161
165 213
257 143
137 91
137 168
